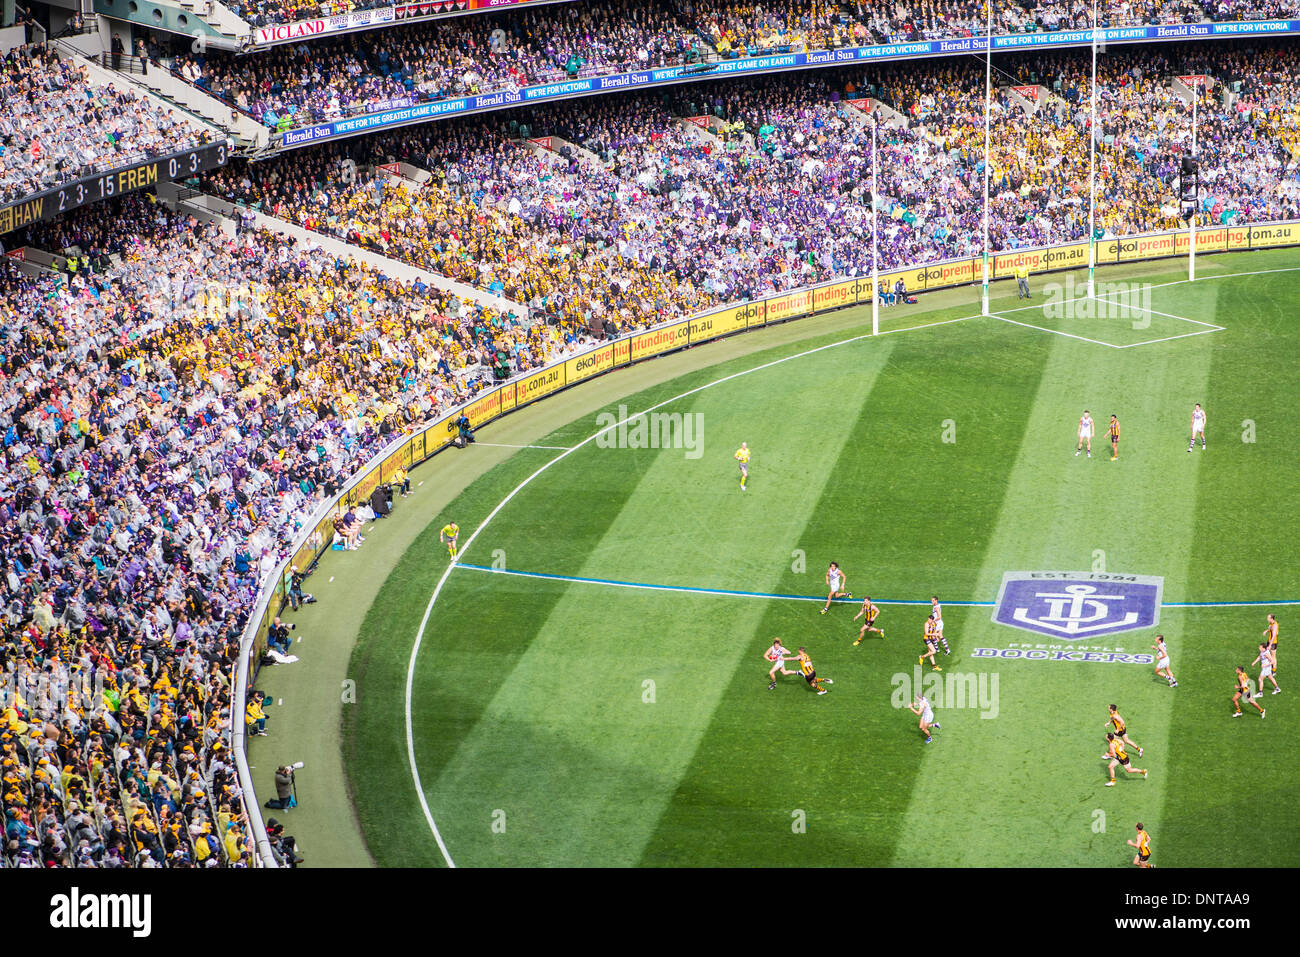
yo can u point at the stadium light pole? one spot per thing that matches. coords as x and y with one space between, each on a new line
1191 219
1092 163
988 106
875 266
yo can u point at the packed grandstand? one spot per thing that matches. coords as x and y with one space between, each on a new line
184 389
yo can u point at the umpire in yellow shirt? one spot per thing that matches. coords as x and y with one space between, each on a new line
1022 282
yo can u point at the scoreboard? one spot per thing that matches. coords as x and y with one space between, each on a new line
117 182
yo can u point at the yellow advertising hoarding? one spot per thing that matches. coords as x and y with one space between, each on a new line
953 273
661 340
837 294
483 409
789 306
1278 234
1069 256
1207 241
401 459
361 491
539 384
586 366
726 321
507 400
415 449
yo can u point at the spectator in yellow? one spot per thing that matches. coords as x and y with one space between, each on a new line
255 717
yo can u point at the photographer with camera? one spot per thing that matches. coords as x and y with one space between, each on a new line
464 434
283 846
286 791
296 595
277 636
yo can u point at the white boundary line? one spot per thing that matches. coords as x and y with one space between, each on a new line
1055 332
424 622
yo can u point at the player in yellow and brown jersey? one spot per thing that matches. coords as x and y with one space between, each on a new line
810 673
1143 844
868 615
1118 754
1270 638
1114 437
931 639
1242 690
1121 729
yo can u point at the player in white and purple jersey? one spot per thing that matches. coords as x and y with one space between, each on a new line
1198 427
1085 433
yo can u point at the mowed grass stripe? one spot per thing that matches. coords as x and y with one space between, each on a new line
568 747
1022 789
1231 797
374 753
392 823
785 778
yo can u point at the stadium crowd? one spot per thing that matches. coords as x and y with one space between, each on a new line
56 126
178 403
642 215
303 83
330 78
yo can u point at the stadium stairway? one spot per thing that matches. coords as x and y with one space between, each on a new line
121 80
34 262
702 127
204 205
1028 98
889 117
403 174
247 132
557 144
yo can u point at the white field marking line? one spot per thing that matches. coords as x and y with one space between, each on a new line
1183 335
1145 342
1055 332
1170 315
503 445
419 635
1106 297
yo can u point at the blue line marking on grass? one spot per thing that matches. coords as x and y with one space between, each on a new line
695 590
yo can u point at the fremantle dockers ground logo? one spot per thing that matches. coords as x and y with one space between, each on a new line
1076 605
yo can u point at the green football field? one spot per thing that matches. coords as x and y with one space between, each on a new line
560 711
